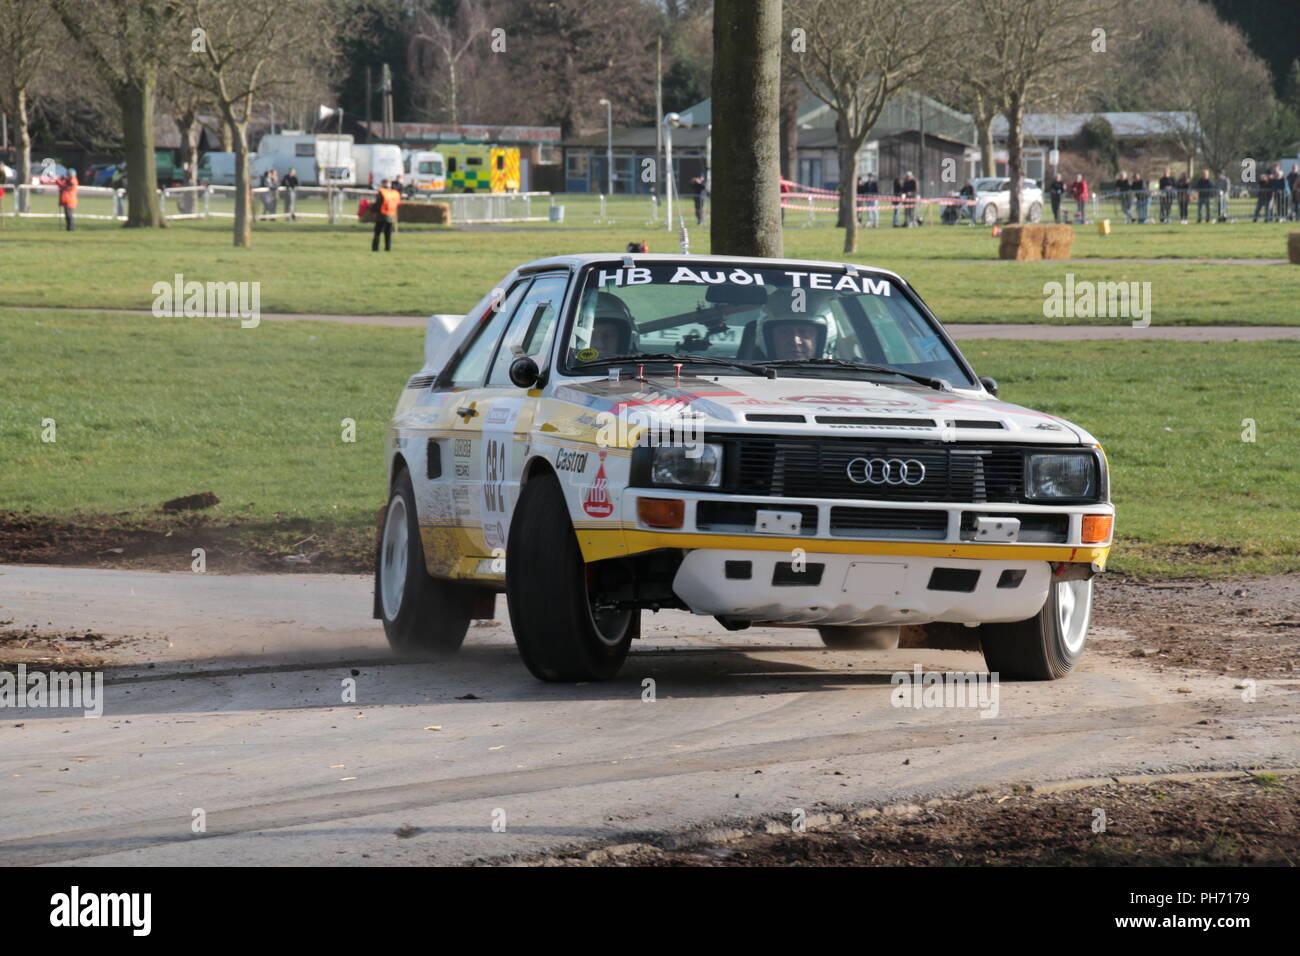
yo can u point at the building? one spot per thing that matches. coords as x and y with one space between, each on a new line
914 134
1146 141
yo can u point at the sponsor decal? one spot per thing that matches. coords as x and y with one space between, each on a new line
566 460
596 502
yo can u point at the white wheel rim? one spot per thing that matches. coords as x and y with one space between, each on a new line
1073 609
392 557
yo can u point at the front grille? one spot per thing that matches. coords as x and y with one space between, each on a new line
742 516
889 523
819 468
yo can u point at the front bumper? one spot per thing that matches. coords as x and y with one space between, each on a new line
839 589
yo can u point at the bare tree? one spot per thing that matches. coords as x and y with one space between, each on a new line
26 38
128 42
440 41
1031 49
248 49
859 54
746 194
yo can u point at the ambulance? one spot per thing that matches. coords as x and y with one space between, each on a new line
482 168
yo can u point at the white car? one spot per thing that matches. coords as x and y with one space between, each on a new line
993 199
760 441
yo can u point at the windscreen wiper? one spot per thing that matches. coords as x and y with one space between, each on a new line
936 383
750 367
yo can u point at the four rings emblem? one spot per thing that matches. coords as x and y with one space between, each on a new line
886 471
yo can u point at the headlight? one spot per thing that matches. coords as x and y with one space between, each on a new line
1062 476
676 466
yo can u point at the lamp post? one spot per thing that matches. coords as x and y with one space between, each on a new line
609 146
671 121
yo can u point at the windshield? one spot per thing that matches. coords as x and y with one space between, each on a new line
431 167
755 314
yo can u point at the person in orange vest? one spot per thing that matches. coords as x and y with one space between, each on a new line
385 207
68 197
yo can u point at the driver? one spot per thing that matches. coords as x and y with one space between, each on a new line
790 334
612 328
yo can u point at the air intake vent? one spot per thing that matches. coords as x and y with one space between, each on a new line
420 381
863 420
787 419
928 524
977 423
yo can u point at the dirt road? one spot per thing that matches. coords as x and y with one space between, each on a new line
224 703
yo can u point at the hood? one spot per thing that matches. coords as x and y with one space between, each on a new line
810 406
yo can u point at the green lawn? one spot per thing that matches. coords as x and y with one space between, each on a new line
313 267
148 409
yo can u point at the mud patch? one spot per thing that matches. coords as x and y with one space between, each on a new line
167 542
1244 627
1253 820
77 650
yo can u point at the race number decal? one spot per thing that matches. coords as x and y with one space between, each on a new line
498 442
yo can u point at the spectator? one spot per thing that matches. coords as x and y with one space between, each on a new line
1292 178
910 191
1184 195
290 186
701 191
1137 187
1223 188
270 182
1280 194
1166 195
1204 191
897 200
1264 197
872 192
967 193
860 198
387 200
1125 194
1055 191
1079 190
68 197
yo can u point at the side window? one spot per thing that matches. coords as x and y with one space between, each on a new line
533 326
469 370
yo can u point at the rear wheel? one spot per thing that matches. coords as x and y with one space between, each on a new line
1049 644
421 614
990 214
565 627
1036 212
864 638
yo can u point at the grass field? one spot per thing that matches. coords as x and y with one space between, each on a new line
149 409
313 267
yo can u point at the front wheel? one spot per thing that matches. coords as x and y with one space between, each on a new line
1049 644
990 214
864 638
421 614
1036 212
566 626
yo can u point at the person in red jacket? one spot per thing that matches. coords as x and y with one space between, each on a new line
68 197
1079 190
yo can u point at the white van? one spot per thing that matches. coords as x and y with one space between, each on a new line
218 169
320 159
426 171
376 162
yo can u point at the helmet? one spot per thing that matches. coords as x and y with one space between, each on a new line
796 314
604 314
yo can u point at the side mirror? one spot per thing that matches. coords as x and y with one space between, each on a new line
524 372
989 384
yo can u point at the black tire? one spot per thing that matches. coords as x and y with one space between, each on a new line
424 615
989 214
559 636
863 638
1036 212
1038 648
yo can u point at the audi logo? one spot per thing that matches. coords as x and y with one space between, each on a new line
885 471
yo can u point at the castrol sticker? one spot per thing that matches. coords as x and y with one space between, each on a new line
596 502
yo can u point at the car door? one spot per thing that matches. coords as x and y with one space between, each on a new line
508 410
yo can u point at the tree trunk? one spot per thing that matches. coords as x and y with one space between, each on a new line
188 125
227 137
1015 153
746 194
454 107
136 101
848 155
790 131
243 186
984 136
24 152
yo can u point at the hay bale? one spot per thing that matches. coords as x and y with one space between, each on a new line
1023 243
436 213
1293 248
1058 241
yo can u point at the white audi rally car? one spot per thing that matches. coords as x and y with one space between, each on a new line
762 441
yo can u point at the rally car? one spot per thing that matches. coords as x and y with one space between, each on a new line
762 441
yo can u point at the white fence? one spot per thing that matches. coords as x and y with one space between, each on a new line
306 202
